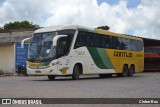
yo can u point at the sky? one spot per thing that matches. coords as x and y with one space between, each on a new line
134 17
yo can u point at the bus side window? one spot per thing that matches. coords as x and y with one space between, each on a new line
91 40
62 47
78 41
134 46
140 45
121 44
104 43
95 40
115 43
87 40
107 40
127 44
100 41
81 40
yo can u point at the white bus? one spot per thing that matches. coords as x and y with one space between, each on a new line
76 50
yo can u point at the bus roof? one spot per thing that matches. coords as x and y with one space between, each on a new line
55 28
99 31
106 32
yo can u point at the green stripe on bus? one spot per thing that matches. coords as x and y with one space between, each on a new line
105 58
96 57
100 58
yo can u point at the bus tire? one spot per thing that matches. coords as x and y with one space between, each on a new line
51 77
125 71
131 71
102 75
76 72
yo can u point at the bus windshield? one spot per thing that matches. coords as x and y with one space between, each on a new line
41 47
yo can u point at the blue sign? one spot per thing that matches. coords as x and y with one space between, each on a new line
21 55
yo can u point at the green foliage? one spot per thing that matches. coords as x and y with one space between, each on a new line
103 27
1 28
19 25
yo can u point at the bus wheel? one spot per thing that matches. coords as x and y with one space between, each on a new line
131 71
76 72
125 71
102 75
51 77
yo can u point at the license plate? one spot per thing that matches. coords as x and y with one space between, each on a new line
38 71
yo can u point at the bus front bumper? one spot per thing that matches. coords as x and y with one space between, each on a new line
45 71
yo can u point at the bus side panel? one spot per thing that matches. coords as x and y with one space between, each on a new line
121 57
94 60
81 56
101 60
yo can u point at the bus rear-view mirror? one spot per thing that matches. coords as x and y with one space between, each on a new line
55 39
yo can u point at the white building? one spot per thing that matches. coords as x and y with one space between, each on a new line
8 39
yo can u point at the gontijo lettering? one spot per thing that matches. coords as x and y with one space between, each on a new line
122 54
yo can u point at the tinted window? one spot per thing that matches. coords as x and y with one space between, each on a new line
69 38
70 34
96 40
105 41
121 44
140 45
91 40
81 40
134 46
127 44
62 47
115 42
152 50
86 39
100 38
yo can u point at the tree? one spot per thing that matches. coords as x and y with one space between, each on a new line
1 28
103 27
19 25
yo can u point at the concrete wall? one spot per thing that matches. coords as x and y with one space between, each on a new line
16 36
7 54
7 59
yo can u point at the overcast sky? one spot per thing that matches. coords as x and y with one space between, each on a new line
136 17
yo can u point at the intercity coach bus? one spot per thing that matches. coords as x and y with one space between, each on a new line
76 50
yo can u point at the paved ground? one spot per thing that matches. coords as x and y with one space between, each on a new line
142 85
